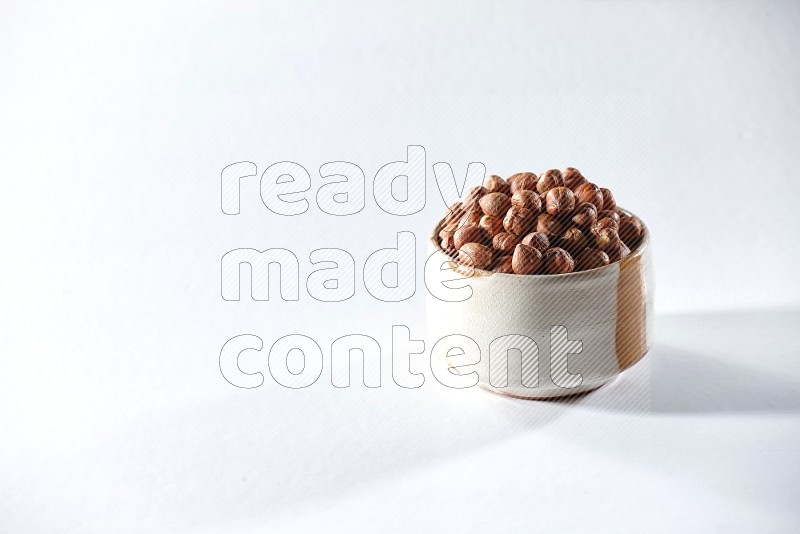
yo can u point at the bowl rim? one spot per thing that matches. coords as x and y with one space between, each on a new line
635 255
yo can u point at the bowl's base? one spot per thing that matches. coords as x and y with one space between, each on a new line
550 395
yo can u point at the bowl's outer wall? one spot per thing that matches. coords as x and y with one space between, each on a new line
608 310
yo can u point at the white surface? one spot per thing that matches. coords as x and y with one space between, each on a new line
115 123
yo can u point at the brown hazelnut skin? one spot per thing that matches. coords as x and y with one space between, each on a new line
631 231
591 258
473 216
548 225
472 198
504 265
618 252
527 199
454 212
495 204
526 260
558 261
470 233
610 214
522 181
585 215
560 201
476 255
537 240
572 177
573 240
505 241
493 225
519 221
608 199
549 179
495 184
589 192
607 222
607 240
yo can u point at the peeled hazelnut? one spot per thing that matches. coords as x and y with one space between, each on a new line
608 199
495 204
585 215
519 221
522 181
591 258
527 199
472 198
573 241
504 265
560 201
495 184
548 225
446 239
631 231
470 233
573 177
491 224
608 213
607 222
537 240
589 192
505 241
526 260
475 255
558 261
607 239
549 179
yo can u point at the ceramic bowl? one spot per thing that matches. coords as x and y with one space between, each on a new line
545 336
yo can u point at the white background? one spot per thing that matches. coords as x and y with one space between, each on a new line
115 122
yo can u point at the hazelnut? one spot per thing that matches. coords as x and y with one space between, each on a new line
495 184
585 215
631 231
472 198
473 216
591 258
537 240
504 265
607 239
573 240
610 214
527 199
526 260
519 221
491 224
558 261
573 177
505 241
495 204
560 201
589 192
618 252
448 248
608 222
454 212
548 180
608 199
523 181
470 233
548 225
475 255
446 238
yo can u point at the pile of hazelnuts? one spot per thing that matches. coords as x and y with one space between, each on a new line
554 223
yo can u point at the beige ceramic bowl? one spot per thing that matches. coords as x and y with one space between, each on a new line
545 336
